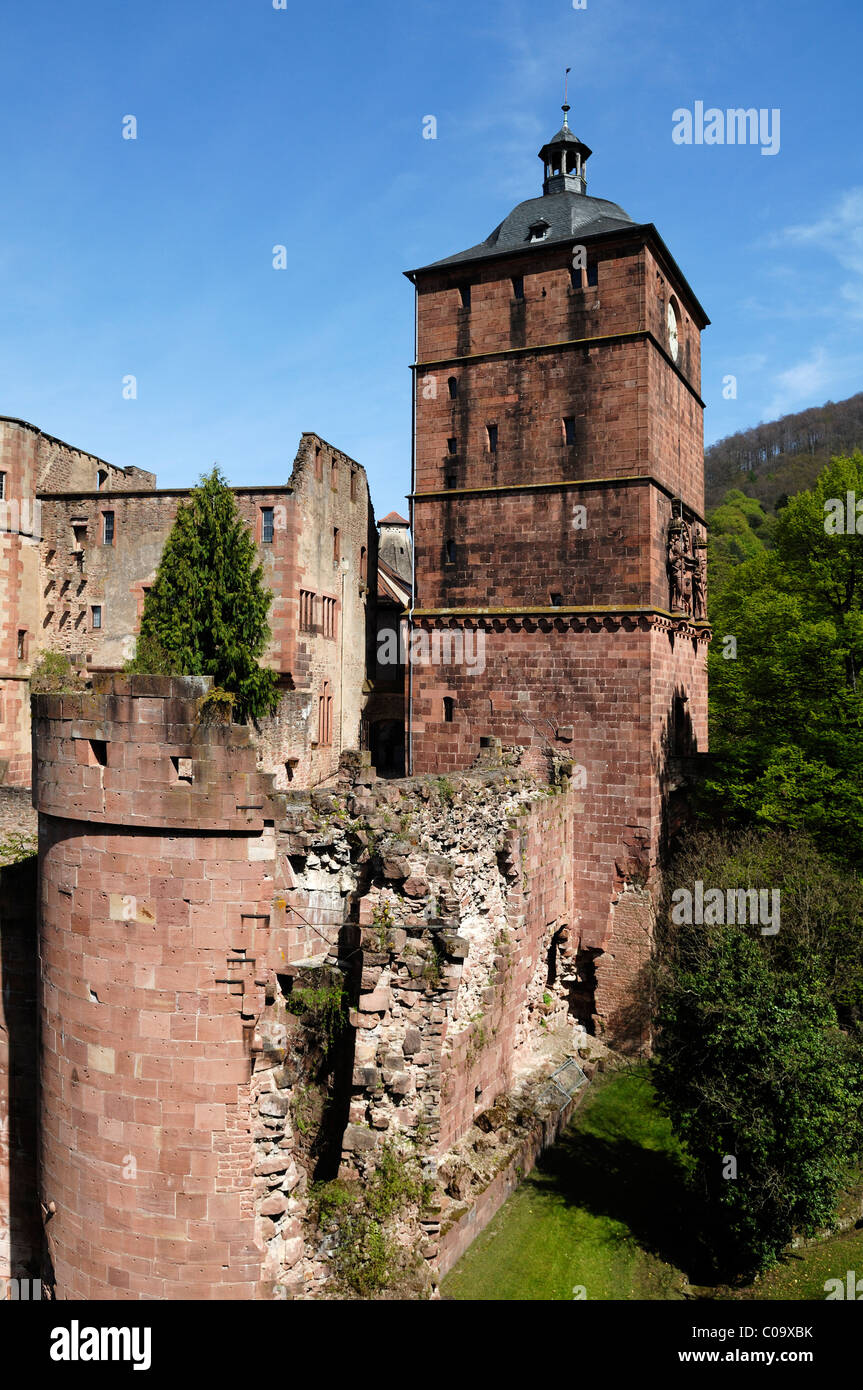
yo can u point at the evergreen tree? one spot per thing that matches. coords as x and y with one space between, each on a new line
206 614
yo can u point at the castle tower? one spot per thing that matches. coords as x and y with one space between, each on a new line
157 871
557 508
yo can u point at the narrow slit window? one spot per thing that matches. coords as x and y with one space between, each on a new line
98 752
319 464
354 476
450 552
464 291
334 476
22 644
452 445
492 438
448 709
450 480
96 617
267 525
2 486
107 528
569 429
518 287
453 387
593 273
576 277
337 550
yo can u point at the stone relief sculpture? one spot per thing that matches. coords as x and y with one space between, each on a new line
687 568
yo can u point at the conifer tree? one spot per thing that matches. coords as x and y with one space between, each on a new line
206 614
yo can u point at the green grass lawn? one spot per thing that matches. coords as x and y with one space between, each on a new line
608 1211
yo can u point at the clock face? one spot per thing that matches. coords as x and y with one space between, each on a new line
673 340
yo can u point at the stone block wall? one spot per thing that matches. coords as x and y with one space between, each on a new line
20 1227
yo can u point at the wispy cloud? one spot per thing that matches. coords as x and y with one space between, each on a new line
839 233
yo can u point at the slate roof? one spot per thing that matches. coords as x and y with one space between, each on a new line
569 215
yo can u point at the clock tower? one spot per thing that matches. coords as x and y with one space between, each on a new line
558 519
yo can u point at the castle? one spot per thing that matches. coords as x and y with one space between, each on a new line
548 682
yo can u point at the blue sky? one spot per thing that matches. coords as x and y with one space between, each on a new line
303 127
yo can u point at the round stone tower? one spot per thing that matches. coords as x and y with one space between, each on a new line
156 870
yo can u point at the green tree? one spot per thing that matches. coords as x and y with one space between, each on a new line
751 1066
738 529
787 709
206 614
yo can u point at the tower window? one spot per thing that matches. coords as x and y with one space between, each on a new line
107 528
266 526
492 438
452 445
307 610
518 287
569 429
96 617
325 716
329 616
2 486
453 387
592 273
22 644
576 277
450 552
464 291
337 549
450 480
319 465
556 600
448 708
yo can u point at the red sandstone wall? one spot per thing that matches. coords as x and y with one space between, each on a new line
151 892
20 1229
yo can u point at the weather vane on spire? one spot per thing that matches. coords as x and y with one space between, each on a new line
565 108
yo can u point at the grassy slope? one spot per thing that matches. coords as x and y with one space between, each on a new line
608 1211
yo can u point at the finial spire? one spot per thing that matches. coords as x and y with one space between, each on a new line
565 108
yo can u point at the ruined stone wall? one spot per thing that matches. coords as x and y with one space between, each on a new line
185 1113
19 596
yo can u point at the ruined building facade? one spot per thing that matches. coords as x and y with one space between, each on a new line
81 540
487 918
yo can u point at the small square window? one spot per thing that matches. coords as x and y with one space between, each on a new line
96 617
556 600
267 525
